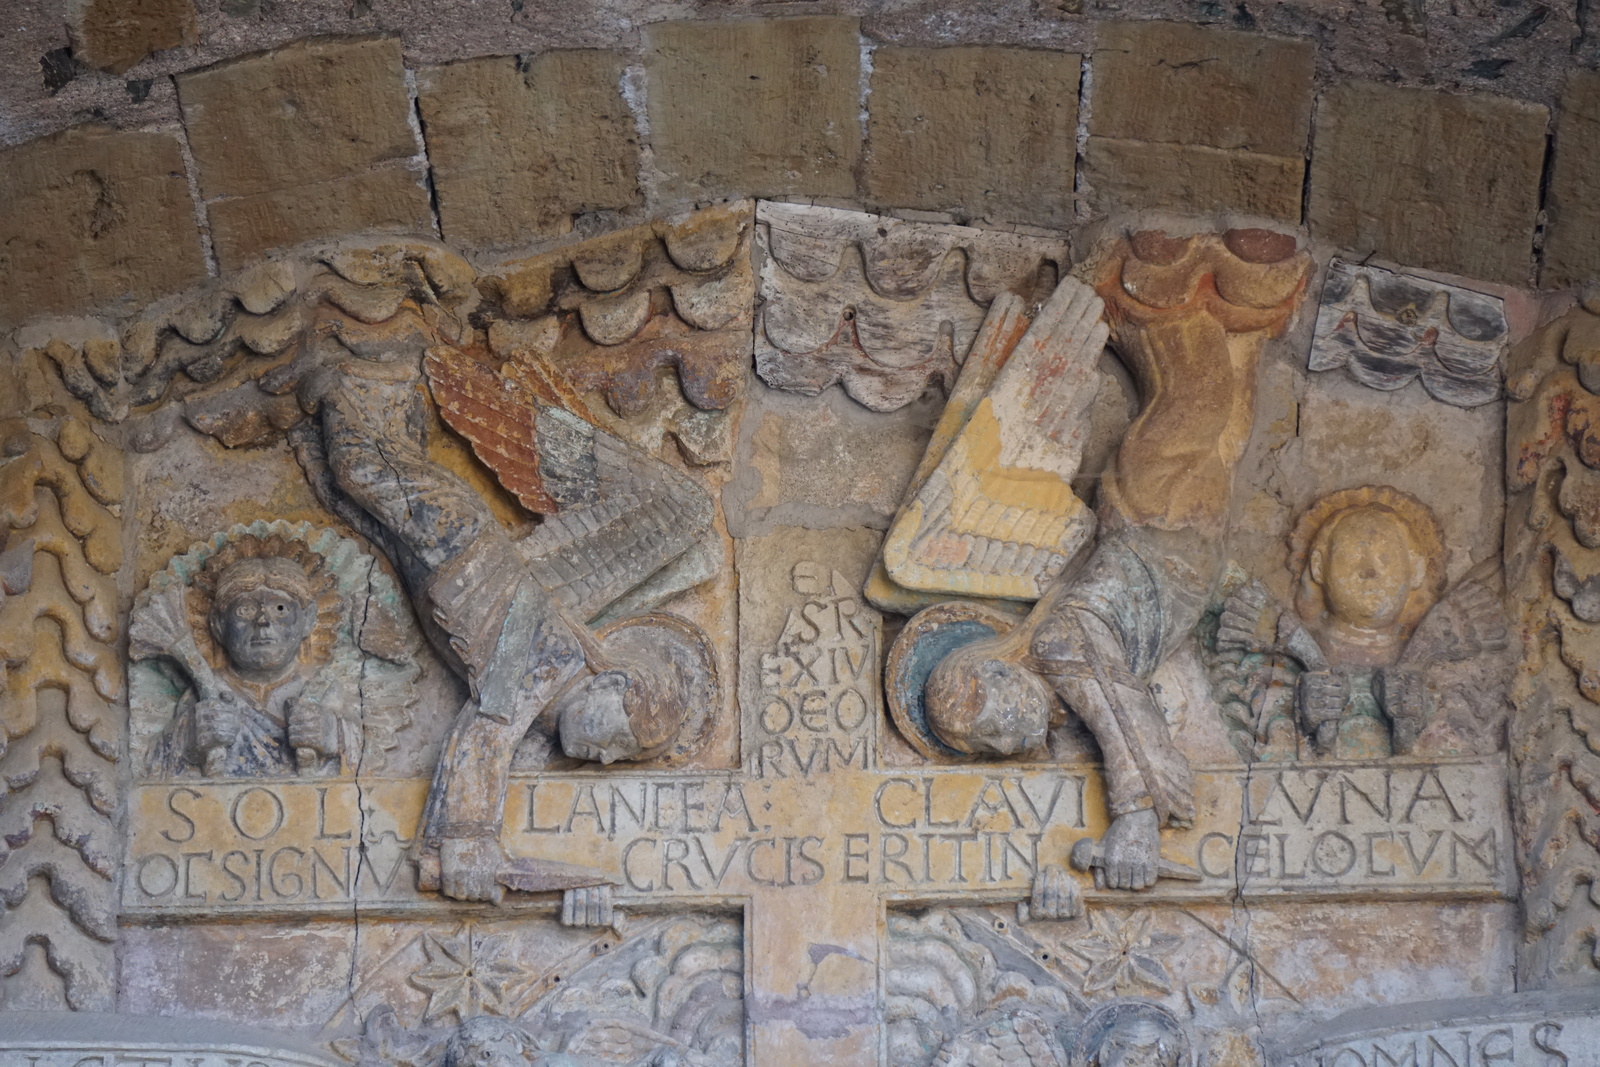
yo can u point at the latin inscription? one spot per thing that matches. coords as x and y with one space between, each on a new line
1535 1043
818 697
1395 828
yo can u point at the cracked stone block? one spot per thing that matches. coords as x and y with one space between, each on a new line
1429 179
991 132
94 217
292 144
517 151
1572 243
767 107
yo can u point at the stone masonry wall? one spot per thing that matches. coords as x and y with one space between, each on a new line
152 143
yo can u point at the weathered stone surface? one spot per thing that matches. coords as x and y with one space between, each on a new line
756 107
821 462
1388 329
1572 234
94 217
517 149
310 112
61 494
1239 104
884 306
393 199
1553 483
1429 179
877 894
1136 175
58 1038
1182 84
1555 1026
117 34
997 516
990 132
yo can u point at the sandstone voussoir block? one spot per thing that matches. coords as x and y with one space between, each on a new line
92 217
516 151
392 199
115 35
1572 246
1183 84
758 107
1429 178
986 130
309 112
1138 175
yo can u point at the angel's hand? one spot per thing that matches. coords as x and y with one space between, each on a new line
216 725
1322 697
587 906
1055 897
1403 695
1240 627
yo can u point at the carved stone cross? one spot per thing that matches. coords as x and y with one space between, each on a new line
830 822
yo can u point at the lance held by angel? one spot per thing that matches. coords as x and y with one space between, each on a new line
1189 317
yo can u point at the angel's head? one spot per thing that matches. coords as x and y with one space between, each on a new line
982 700
603 717
1133 1033
1369 559
487 1041
261 613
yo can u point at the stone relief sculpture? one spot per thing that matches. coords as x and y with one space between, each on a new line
885 307
61 489
964 989
491 605
293 652
1552 531
1179 310
1387 329
1364 646
525 458
670 994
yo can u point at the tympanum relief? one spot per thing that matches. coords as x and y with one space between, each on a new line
393 599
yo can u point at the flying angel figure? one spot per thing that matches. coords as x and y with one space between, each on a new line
510 616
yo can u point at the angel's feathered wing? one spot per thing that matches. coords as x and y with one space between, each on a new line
997 517
1469 620
614 515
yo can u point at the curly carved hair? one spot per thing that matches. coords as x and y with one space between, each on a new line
1318 522
290 566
